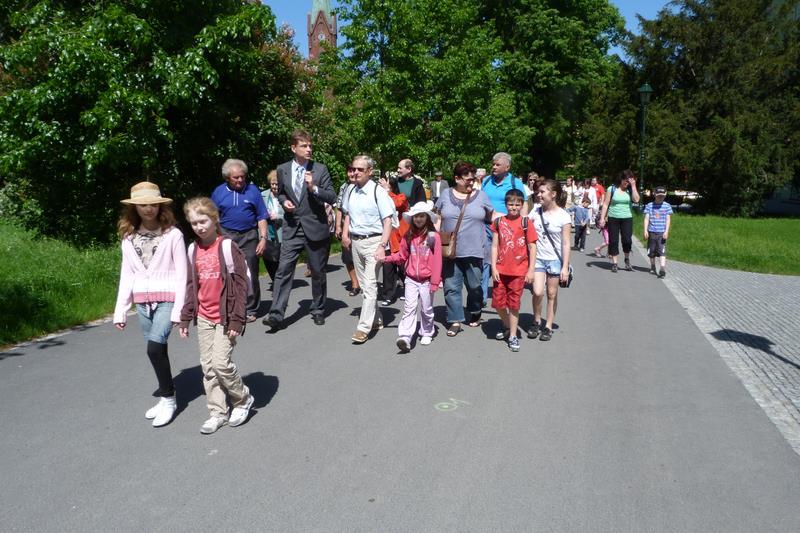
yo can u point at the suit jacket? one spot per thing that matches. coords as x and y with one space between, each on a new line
309 210
444 185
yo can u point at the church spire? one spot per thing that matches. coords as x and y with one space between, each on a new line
321 27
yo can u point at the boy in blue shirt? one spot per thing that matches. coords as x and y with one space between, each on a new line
581 213
657 220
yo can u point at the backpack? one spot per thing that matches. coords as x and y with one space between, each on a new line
395 218
228 256
524 230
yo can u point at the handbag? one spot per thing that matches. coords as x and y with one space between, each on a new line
564 284
448 238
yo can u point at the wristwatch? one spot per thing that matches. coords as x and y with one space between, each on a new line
262 237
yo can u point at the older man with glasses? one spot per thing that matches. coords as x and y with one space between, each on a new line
367 226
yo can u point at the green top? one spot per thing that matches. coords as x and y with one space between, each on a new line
620 205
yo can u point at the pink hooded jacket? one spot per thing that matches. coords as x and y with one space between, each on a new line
421 261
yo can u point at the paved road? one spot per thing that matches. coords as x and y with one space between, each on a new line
628 420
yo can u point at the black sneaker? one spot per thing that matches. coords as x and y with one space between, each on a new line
614 268
546 335
628 266
662 273
533 332
653 270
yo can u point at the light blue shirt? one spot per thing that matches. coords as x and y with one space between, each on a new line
367 207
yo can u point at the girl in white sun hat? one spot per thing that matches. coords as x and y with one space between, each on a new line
153 276
421 253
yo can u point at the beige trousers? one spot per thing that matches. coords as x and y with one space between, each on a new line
220 374
367 274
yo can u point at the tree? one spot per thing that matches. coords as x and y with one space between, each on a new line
725 118
97 96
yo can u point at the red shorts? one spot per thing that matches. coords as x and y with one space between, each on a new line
507 293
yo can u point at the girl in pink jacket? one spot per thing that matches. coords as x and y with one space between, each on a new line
153 276
421 253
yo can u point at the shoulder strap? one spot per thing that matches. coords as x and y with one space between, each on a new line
549 238
190 251
525 226
226 253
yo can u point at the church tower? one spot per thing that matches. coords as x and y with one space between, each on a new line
321 27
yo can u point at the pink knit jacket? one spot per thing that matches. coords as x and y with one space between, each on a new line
163 281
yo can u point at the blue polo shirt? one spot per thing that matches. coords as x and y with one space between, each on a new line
239 211
497 191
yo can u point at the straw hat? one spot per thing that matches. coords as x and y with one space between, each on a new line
145 193
419 208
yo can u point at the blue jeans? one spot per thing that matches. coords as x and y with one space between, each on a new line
458 273
156 324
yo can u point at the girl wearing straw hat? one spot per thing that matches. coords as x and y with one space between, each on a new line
152 276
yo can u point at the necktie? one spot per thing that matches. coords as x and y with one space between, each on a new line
298 182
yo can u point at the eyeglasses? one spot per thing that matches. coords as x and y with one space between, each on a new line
356 169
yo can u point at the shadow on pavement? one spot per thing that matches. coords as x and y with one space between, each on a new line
262 387
751 341
188 386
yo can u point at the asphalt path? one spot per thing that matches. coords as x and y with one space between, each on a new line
628 420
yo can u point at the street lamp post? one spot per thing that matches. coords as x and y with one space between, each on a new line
644 96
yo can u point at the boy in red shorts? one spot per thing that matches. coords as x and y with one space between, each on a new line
513 265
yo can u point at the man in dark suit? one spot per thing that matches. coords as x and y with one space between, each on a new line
304 187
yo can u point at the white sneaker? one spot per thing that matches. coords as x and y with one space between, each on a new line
239 414
425 341
153 411
212 424
166 412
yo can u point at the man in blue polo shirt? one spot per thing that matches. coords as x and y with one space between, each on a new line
243 218
495 186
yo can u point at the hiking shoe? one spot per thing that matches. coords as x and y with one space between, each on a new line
239 414
359 337
403 345
533 332
165 412
546 335
614 268
662 273
513 344
212 425
502 334
653 270
425 341
628 266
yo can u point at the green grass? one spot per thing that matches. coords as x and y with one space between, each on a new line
47 285
766 245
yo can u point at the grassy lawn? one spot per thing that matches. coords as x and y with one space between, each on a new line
46 285
765 245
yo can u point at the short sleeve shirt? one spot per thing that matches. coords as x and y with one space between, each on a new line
209 281
555 220
658 216
472 232
512 245
367 206
239 211
496 191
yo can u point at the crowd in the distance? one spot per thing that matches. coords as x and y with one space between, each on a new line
482 230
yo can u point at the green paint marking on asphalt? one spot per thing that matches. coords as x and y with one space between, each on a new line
450 405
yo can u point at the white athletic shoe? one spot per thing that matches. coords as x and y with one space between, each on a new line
153 411
239 414
425 341
212 424
166 412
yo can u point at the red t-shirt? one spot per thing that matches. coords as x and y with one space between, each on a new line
209 281
601 191
512 246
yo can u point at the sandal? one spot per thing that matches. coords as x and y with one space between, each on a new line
454 329
628 266
354 292
533 332
546 335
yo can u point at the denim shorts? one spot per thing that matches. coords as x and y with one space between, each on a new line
156 323
551 267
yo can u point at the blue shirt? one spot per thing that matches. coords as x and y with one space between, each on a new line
581 215
658 216
497 191
239 211
367 207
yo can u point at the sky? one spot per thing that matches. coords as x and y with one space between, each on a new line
294 13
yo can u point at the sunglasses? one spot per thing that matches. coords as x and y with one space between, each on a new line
356 169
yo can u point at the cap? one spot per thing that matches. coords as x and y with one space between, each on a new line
661 190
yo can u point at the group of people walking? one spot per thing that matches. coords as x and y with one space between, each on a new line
497 228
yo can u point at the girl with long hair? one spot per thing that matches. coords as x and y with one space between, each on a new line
152 276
